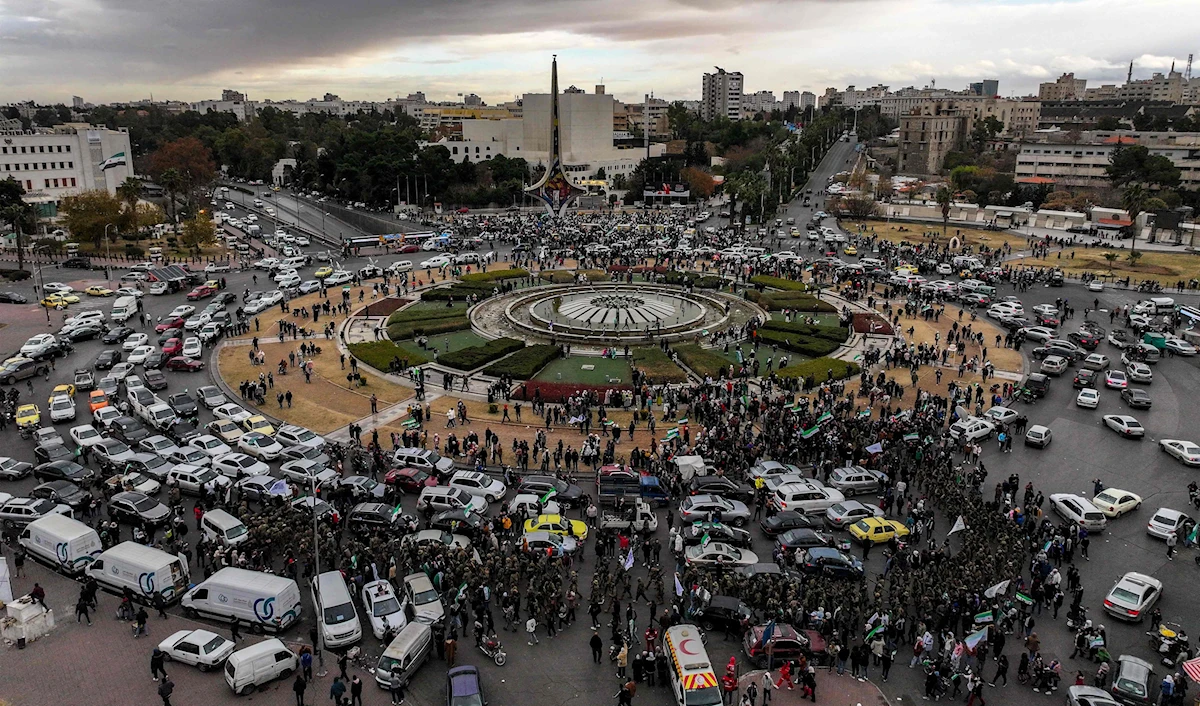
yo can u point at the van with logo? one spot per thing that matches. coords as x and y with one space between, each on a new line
690 672
60 542
221 527
147 571
336 618
261 601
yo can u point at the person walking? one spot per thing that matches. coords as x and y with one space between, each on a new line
1172 541
233 629
299 687
81 610
337 691
157 658
140 622
165 689
785 675
356 687
597 645
531 630
1001 670
622 661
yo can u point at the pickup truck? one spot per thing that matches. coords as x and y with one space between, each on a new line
636 515
614 485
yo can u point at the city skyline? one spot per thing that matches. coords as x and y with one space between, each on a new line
114 50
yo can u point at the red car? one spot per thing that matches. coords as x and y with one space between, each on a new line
201 292
173 346
410 247
185 364
410 480
177 322
463 209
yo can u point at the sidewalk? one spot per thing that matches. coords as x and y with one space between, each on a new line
843 690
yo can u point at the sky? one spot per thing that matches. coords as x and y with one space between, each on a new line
114 50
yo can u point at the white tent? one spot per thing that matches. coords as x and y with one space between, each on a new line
690 466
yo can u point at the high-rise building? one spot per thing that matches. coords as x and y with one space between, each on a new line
1156 88
1065 88
472 101
721 95
231 95
791 99
808 99
77 103
988 87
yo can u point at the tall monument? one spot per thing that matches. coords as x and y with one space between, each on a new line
555 189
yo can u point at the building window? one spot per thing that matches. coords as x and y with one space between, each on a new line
28 185
70 165
455 151
47 183
68 148
72 181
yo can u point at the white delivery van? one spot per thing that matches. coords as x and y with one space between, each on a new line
336 617
124 309
62 543
249 668
409 649
145 570
293 263
223 528
265 602
400 266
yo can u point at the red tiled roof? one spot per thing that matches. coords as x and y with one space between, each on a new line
1034 180
1119 140
1116 221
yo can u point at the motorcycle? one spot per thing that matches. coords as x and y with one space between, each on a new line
1077 618
490 646
1171 643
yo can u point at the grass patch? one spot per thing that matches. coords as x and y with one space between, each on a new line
819 370
788 285
381 354
1165 267
525 363
796 301
604 371
702 361
475 356
443 343
495 275
568 276
898 232
423 311
657 366
427 318
807 340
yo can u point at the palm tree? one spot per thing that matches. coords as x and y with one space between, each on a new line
944 197
1111 257
130 191
21 215
172 181
1133 200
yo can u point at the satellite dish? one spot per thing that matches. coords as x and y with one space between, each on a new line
954 243
961 412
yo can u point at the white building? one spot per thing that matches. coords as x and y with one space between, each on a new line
244 110
57 162
1084 163
721 95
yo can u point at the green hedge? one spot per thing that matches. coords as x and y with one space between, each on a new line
807 347
379 354
495 275
657 366
426 314
409 329
568 276
525 363
819 370
702 361
475 356
460 291
797 301
837 334
789 285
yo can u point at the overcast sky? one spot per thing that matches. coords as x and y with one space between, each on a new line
111 50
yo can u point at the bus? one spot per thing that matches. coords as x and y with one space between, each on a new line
693 681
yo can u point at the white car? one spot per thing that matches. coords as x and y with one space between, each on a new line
478 484
193 348
57 288
1088 398
1132 597
1125 425
1116 380
209 332
1166 522
1114 502
338 277
303 471
260 446
85 435
210 445
105 416
719 554
62 409
156 288
292 435
1038 333
134 291
384 608
238 465
135 340
232 411
158 445
972 428
1187 452
181 312
191 456
1139 372
138 355
199 648
1095 361
1001 415
1095 286
1180 347
435 262
1078 510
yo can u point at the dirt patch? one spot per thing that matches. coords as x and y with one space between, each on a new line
1165 267
926 232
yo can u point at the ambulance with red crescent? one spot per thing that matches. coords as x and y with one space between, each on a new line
693 680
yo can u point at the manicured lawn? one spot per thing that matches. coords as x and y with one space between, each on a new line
445 342
571 370
657 366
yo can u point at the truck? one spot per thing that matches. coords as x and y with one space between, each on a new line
60 542
614 483
147 571
264 602
625 513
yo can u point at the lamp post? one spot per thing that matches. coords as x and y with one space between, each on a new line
108 253
312 481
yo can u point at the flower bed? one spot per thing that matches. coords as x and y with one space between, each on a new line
475 356
415 321
657 366
819 369
789 285
796 301
525 363
557 392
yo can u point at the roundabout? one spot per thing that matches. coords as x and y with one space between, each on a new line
607 314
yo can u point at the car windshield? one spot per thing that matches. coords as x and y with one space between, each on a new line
426 596
214 644
1107 497
338 614
1130 686
235 532
145 504
708 696
1125 595
206 475
386 606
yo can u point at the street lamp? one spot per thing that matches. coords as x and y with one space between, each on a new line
108 253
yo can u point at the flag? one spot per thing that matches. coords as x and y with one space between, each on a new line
996 590
397 510
678 585
114 161
912 437
705 540
808 433
411 423
984 617
875 449
629 559
279 487
824 418
682 421
865 414
768 631
873 632
976 637
461 590
549 494
1024 598
959 525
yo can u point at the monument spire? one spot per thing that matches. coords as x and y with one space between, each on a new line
555 189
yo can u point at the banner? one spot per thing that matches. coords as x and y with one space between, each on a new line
996 590
678 586
976 637
959 525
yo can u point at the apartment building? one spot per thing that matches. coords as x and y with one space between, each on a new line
1064 88
53 163
1083 163
721 95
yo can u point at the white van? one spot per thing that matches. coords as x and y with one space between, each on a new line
293 263
219 526
400 266
64 544
145 570
249 668
336 617
124 309
409 649
263 601
1155 305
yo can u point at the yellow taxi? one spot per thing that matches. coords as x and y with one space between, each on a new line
850 250
60 301
98 291
323 272
225 430
213 284
557 524
28 415
259 424
907 270
877 530
68 390
96 400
